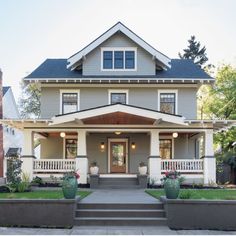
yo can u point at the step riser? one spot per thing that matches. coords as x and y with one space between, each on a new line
118 183
120 206
132 222
118 187
119 214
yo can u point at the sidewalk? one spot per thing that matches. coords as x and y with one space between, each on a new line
160 230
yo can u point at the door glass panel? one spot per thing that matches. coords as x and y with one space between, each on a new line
118 155
71 148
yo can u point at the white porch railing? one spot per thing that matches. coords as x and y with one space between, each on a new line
53 165
183 166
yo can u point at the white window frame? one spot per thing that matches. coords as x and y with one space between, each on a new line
70 91
160 91
110 91
113 61
169 137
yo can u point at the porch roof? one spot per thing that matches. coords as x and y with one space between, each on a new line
118 114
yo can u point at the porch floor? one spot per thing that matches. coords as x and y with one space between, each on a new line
119 196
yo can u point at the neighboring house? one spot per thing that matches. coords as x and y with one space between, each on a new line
12 137
119 102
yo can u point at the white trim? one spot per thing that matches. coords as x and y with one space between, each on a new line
118 27
169 137
118 108
110 91
127 152
175 91
123 49
70 91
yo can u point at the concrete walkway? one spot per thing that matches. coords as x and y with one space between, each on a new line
110 230
119 196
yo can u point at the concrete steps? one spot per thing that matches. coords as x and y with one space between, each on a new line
118 183
119 214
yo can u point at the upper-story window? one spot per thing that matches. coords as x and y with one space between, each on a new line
69 101
118 96
121 59
167 101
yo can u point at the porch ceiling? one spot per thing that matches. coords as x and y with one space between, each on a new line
119 118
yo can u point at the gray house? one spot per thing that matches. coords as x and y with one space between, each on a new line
119 102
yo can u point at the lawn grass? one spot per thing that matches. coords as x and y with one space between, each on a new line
42 194
219 194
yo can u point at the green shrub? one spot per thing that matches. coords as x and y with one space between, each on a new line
37 180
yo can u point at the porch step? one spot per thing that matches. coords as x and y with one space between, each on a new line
131 206
118 183
119 214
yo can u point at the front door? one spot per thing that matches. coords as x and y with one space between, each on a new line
118 157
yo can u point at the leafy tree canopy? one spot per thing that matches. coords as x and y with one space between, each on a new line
29 102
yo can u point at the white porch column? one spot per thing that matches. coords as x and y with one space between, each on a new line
209 159
28 153
81 159
154 158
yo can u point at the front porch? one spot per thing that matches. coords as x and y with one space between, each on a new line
118 137
134 146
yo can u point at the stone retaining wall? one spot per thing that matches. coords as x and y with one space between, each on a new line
37 212
200 214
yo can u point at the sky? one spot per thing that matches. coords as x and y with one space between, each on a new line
33 30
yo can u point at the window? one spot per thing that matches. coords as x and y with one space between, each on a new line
118 96
71 148
167 101
129 60
165 148
107 60
69 101
118 58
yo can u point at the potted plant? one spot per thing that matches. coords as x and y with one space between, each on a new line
94 168
142 168
70 185
172 182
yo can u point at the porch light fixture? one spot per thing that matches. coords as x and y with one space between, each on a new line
62 134
102 145
117 132
133 145
175 135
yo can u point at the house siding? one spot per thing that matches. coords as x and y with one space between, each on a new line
51 148
92 63
142 97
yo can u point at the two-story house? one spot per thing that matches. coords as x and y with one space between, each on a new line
119 102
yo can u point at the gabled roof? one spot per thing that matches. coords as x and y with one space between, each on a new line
5 89
156 116
74 59
56 69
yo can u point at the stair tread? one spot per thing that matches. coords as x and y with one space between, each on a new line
121 218
121 210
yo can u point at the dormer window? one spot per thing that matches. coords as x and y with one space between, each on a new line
118 59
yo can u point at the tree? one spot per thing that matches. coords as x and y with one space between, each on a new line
195 52
220 103
29 102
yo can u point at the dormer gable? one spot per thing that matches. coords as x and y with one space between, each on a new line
160 60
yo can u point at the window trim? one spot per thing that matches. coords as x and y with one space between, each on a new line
160 91
113 57
110 91
70 91
172 144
